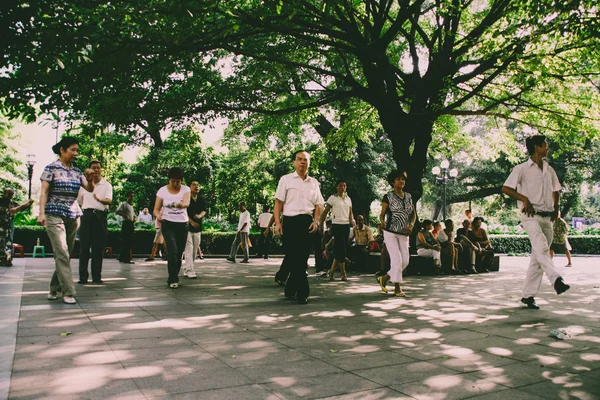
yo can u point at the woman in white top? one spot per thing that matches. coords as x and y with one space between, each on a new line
340 206
173 199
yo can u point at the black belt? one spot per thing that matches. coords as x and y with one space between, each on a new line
545 214
95 211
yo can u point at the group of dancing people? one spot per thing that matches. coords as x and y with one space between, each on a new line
299 213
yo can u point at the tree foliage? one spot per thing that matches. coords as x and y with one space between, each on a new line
11 168
145 64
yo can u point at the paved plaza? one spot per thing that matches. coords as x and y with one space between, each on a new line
230 334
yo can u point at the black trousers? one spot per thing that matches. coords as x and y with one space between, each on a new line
175 234
298 244
93 233
264 243
127 231
341 233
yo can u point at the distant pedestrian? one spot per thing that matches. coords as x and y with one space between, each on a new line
8 209
264 240
299 197
125 210
536 187
172 201
560 241
93 231
397 219
59 212
145 216
342 220
196 211
241 235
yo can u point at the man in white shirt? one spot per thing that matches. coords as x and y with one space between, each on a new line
93 231
299 197
264 240
125 210
241 236
535 186
145 216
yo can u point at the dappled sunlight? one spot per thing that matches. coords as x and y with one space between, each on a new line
568 380
527 341
546 359
144 371
274 318
443 382
285 381
413 334
500 351
395 320
374 313
456 351
103 317
590 357
330 314
359 289
232 287
384 305
362 349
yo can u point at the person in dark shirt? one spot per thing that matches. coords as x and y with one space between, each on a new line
196 211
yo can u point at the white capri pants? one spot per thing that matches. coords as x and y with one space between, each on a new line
397 248
429 253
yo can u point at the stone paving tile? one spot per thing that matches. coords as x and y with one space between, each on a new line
247 392
374 394
318 387
404 373
512 394
230 334
449 387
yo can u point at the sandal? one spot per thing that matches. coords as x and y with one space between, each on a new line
381 284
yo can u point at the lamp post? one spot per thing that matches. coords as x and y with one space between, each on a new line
442 176
30 163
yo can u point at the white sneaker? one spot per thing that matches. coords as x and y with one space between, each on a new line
69 300
52 296
174 285
191 276
568 265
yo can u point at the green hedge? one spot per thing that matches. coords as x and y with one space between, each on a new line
220 242
211 243
516 244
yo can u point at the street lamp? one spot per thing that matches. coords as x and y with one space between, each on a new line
442 176
30 163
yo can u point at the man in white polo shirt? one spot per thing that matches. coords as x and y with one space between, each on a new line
299 197
535 186
93 231
241 236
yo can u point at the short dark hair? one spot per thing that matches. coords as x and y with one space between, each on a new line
64 143
395 174
480 219
94 162
468 210
448 221
426 222
532 141
299 151
129 193
242 203
175 173
340 181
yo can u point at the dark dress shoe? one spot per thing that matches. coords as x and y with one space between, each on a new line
244 262
530 301
98 281
303 300
231 259
82 282
560 286
472 270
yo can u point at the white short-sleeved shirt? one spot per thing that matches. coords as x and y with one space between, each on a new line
340 209
264 219
535 183
102 189
244 219
298 196
443 236
170 213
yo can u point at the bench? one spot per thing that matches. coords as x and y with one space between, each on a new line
416 266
